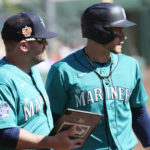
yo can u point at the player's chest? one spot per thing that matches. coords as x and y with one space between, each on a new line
89 90
31 99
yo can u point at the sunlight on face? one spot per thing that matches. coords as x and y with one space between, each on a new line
37 52
116 45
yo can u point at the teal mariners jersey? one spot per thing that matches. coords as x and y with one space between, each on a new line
23 100
72 83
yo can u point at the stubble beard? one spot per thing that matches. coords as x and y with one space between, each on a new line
40 58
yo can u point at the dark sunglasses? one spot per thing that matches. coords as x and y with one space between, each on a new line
41 41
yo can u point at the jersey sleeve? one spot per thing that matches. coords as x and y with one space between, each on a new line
56 90
139 96
8 110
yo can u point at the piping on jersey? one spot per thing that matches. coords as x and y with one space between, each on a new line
101 78
104 102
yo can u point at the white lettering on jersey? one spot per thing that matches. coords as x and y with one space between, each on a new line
37 106
98 93
28 110
128 94
32 107
80 101
107 91
90 97
95 95
121 90
114 92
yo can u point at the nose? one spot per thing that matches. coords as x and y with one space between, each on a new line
46 43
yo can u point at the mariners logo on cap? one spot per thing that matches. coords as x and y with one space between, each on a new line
27 31
42 21
4 109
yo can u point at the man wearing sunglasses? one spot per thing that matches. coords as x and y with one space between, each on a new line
25 115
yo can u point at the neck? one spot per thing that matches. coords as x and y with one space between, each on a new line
96 52
20 63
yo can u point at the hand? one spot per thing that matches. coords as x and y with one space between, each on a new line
147 148
63 142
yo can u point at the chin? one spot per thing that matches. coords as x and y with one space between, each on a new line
40 59
42 56
116 51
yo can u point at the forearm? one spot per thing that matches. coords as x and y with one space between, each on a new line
61 141
141 124
147 148
28 140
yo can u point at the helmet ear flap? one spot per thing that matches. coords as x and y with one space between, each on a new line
104 33
98 33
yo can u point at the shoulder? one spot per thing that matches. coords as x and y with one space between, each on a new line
8 72
4 68
127 60
69 61
126 57
5 75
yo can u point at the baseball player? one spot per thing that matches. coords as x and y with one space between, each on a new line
100 79
25 115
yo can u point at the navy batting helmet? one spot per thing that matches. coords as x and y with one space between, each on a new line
97 20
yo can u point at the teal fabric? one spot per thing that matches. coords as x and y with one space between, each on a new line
72 83
23 100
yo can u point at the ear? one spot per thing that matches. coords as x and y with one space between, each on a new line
24 46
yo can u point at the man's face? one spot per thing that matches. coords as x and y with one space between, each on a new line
37 52
115 46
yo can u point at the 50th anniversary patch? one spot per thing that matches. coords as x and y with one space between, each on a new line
4 109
